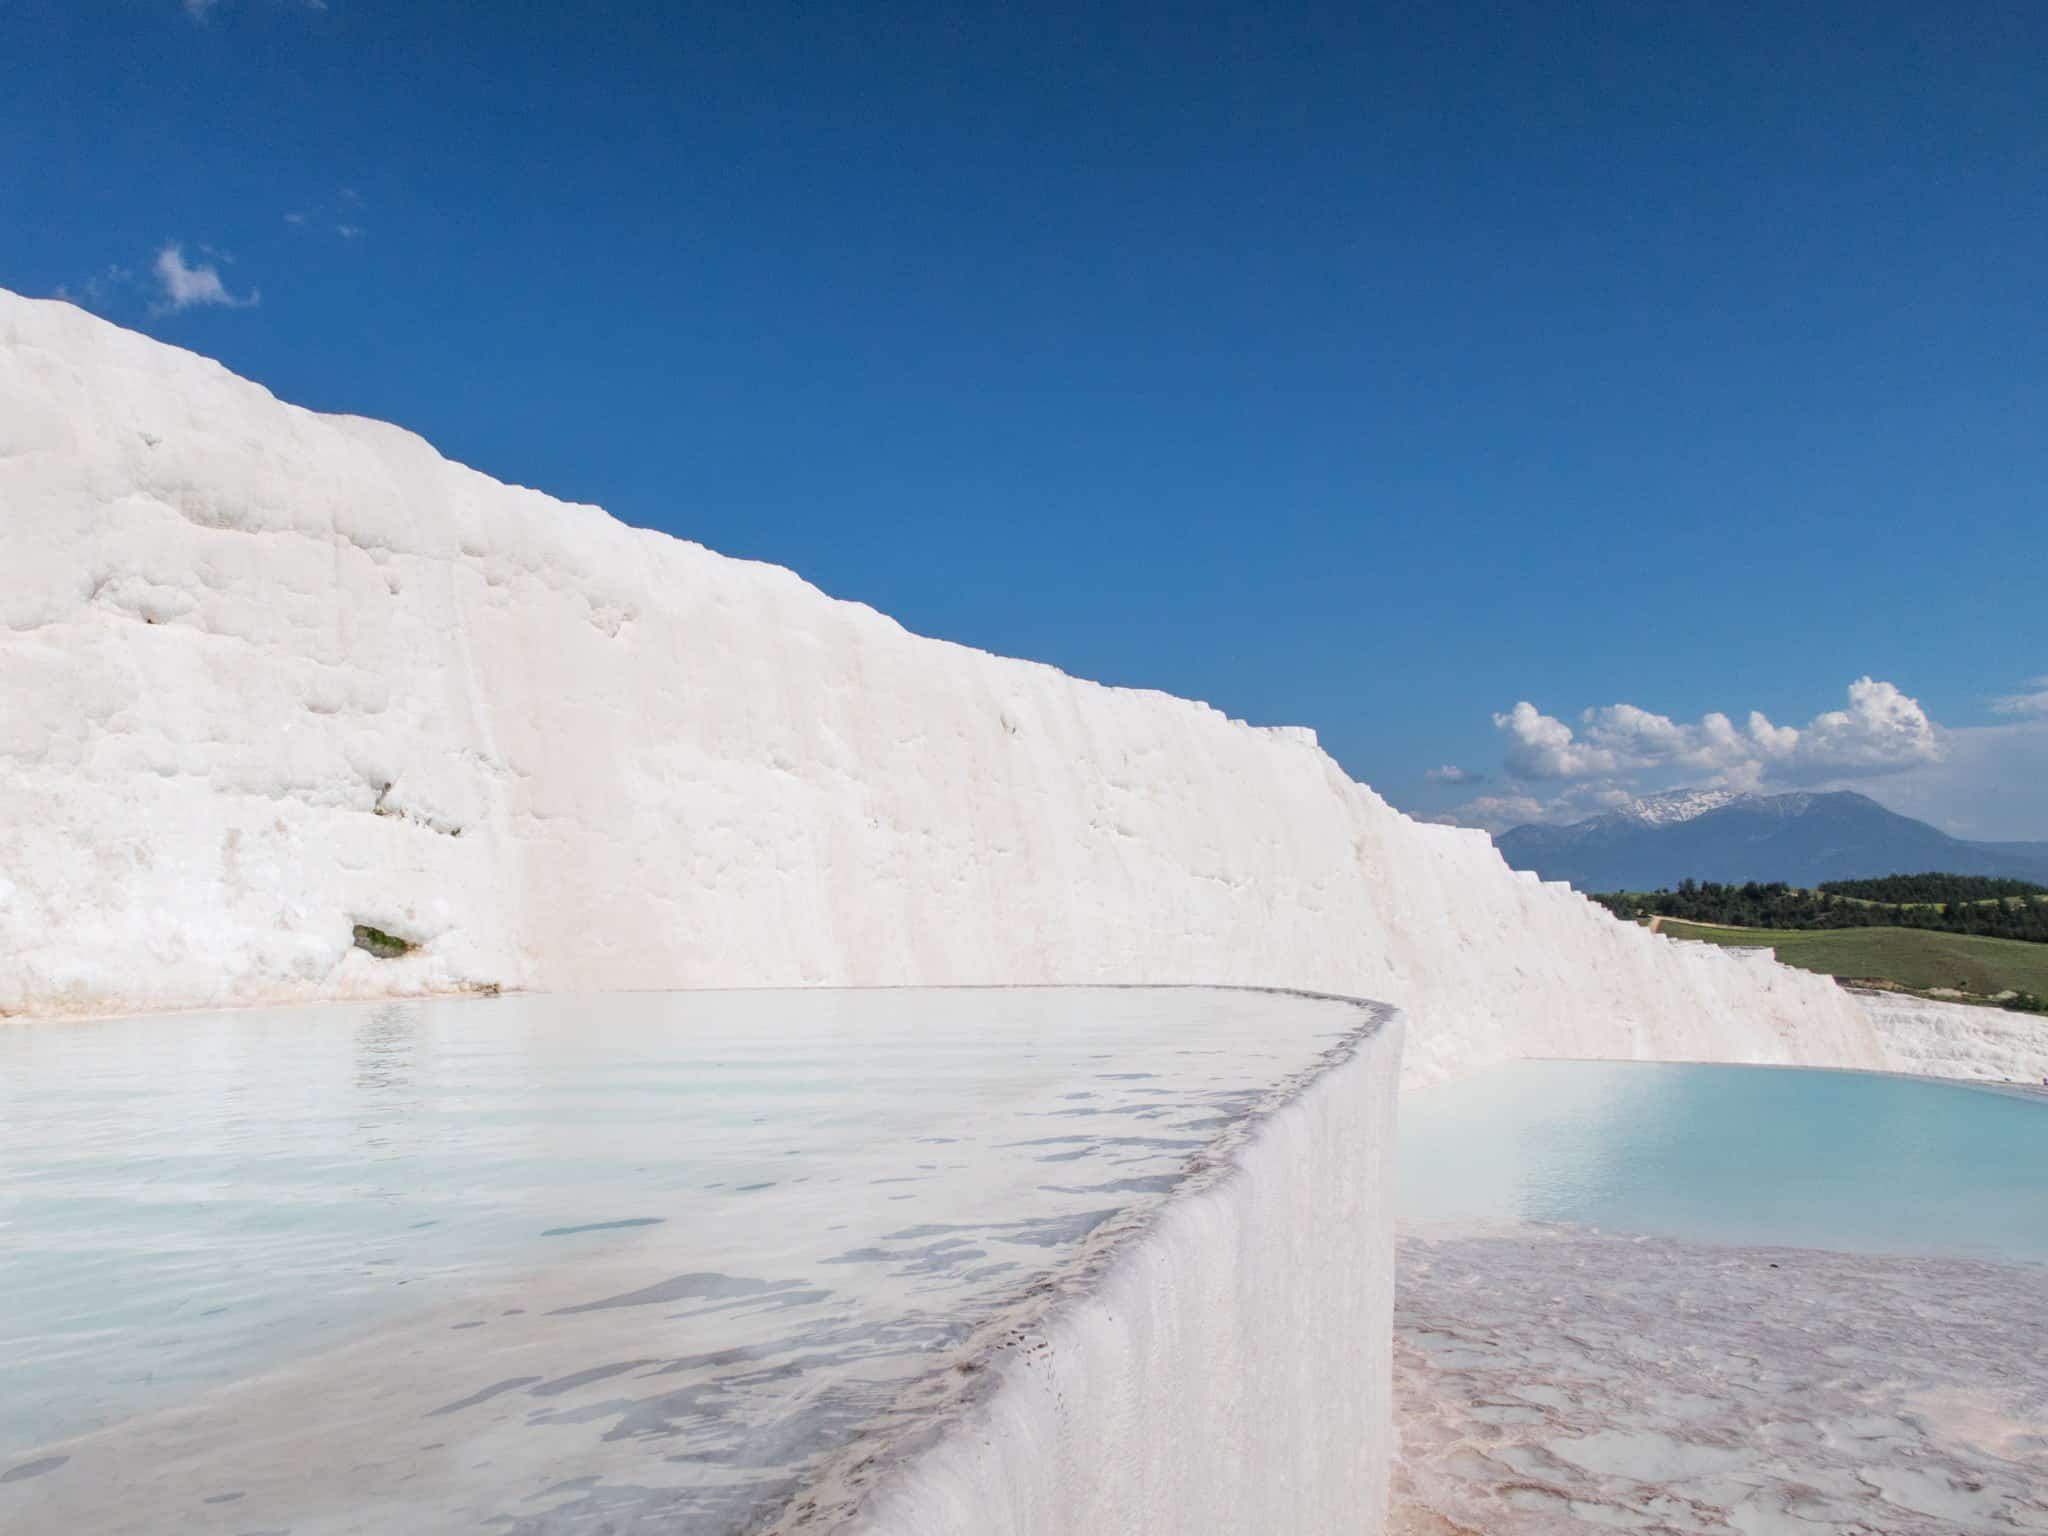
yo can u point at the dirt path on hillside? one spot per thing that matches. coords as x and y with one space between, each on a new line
1657 926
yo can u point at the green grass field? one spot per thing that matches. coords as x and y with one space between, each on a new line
1912 957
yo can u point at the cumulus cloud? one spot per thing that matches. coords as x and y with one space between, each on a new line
1451 773
1974 781
1882 730
1560 771
1541 746
188 286
2031 703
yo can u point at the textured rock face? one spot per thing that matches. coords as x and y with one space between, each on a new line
271 677
1555 1379
1230 1373
1958 1039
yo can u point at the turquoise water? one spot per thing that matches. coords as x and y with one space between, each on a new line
1849 1161
559 1263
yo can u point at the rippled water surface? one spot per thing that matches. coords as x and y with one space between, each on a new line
550 1264
1849 1161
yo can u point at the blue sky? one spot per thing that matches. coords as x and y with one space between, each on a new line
1371 368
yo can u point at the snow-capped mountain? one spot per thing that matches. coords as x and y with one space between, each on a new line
1712 834
1676 805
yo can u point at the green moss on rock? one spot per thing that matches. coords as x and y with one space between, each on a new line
385 946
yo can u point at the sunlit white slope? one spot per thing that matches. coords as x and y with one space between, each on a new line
270 674
1959 1039
1230 1373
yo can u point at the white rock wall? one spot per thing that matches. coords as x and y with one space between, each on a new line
269 674
1231 1373
1959 1039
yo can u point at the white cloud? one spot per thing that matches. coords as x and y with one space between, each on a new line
1543 747
1451 773
349 231
1987 784
188 286
2033 703
1971 781
1882 730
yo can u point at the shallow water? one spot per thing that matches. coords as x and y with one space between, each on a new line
560 1263
1692 1298
1847 1161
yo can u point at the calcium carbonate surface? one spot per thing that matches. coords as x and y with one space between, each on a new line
697 1263
273 677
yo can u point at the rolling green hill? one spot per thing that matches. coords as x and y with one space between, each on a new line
1918 959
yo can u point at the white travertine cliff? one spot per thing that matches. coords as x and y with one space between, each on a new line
267 675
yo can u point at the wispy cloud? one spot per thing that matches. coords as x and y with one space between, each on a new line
99 289
1451 773
341 216
2030 702
186 285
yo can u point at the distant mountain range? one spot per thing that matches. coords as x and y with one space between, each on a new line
1801 839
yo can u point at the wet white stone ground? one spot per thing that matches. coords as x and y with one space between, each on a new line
541 1265
1553 1379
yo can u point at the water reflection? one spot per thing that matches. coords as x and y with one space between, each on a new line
384 1049
1852 1161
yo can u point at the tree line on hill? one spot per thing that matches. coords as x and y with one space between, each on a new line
1898 889
1996 914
